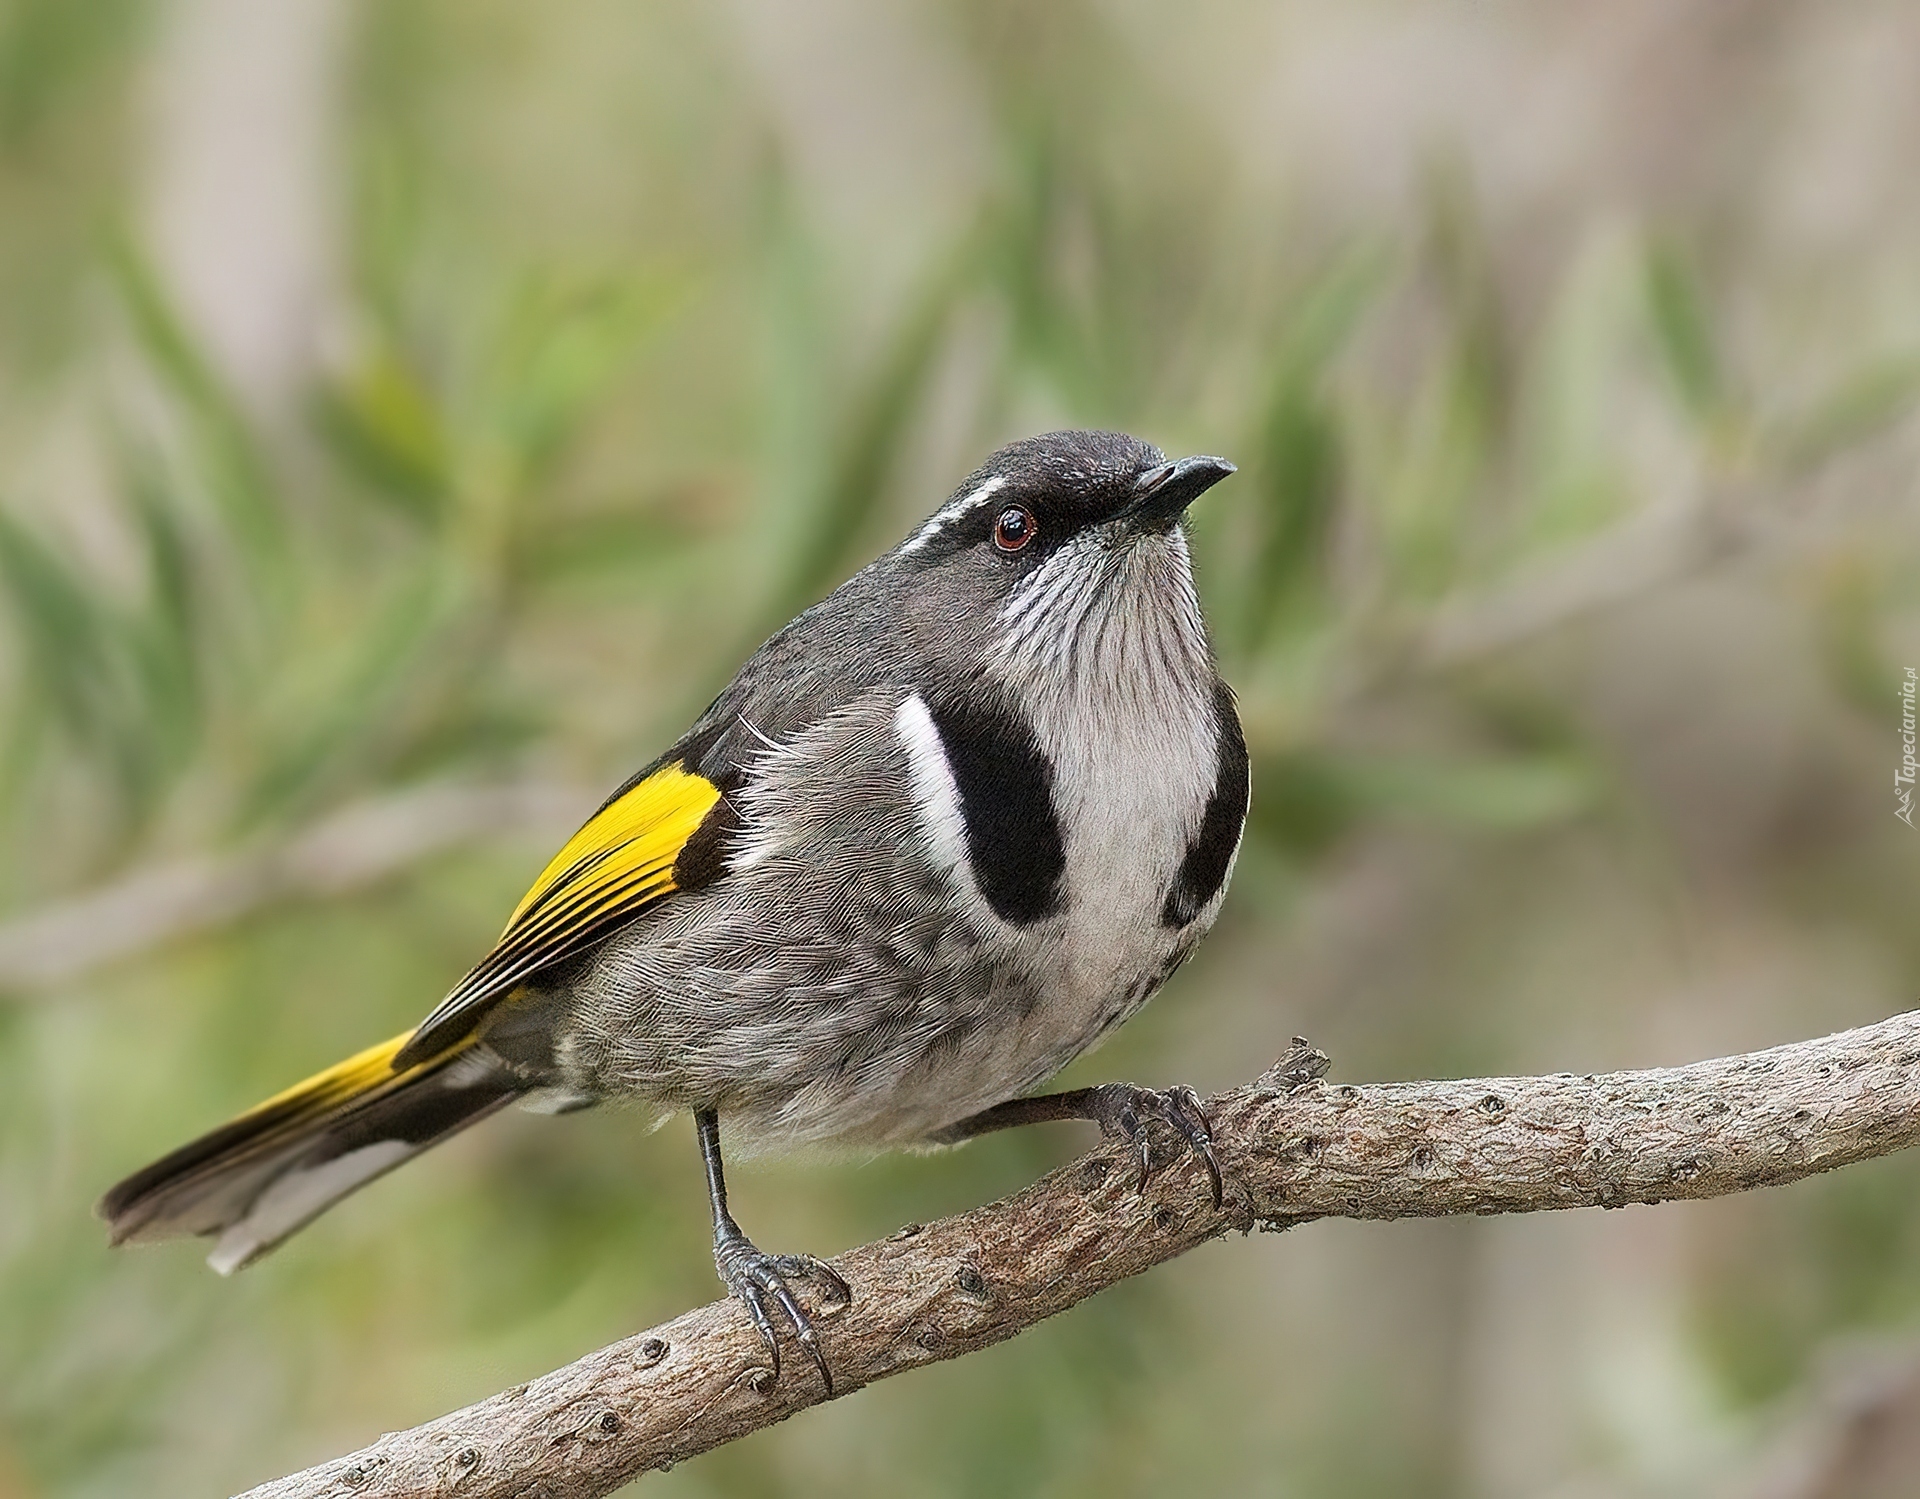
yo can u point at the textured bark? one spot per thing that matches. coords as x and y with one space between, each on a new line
1292 1147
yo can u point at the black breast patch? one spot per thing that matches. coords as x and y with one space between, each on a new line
1204 869
1006 799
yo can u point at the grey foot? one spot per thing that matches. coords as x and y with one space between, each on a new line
1122 1109
757 1278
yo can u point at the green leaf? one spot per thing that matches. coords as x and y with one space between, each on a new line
1480 378
1683 334
567 551
49 49
1302 801
1308 799
563 342
63 626
221 441
163 634
1302 461
1850 605
843 505
82 654
375 689
1864 403
1493 795
382 423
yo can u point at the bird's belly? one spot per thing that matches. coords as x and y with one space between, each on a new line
1106 973
1041 1016
867 1001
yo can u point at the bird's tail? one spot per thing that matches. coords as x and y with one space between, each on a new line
256 1179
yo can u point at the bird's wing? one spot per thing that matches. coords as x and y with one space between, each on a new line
622 861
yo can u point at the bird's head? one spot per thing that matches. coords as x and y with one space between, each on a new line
1061 552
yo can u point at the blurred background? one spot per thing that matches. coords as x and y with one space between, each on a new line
410 413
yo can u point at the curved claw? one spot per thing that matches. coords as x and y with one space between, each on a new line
769 1280
753 1276
839 1293
754 1295
1129 1124
1118 1108
1191 1120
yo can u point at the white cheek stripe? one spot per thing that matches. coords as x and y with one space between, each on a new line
935 792
949 513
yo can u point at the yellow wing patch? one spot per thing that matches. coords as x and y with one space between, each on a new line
343 1080
620 862
636 834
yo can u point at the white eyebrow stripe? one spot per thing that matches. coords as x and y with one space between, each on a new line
951 512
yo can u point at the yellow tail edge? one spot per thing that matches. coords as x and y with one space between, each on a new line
338 1083
131 1205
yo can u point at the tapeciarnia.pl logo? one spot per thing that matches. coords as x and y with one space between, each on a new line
1903 777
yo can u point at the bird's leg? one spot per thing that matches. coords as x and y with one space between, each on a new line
755 1276
1120 1109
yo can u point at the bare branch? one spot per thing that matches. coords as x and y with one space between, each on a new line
1292 1150
354 847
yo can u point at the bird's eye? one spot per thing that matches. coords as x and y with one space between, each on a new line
1014 529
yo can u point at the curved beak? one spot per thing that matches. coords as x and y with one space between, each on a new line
1163 493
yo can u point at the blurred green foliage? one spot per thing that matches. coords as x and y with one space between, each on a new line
608 399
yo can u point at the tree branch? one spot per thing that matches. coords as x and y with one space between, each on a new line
1292 1149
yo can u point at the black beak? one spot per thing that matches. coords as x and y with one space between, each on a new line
1163 493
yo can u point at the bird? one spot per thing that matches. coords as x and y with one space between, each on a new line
940 835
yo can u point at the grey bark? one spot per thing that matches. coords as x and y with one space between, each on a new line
1293 1148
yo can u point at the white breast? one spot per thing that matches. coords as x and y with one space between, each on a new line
1126 715
1130 796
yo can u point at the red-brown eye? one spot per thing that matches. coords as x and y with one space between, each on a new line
1014 529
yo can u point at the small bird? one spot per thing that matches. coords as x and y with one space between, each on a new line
943 832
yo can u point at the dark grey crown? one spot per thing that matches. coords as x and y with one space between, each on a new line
1069 480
